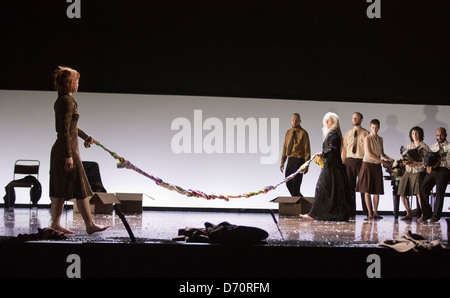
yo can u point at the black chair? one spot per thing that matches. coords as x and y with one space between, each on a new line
93 174
26 175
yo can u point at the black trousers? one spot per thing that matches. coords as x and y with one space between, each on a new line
293 185
438 177
353 166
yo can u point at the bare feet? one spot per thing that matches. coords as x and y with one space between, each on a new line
376 216
306 216
94 228
407 217
422 219
61 229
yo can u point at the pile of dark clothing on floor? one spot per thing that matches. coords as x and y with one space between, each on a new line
223 233
42 234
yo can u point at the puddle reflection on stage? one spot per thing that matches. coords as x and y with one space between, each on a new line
164 225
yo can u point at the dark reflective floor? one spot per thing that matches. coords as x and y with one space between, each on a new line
164 225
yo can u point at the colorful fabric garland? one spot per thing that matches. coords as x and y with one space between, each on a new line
123 163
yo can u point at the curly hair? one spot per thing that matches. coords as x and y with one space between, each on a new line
419 130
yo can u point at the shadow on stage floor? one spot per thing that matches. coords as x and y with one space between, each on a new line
298 248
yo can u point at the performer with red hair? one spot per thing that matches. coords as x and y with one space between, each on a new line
68 179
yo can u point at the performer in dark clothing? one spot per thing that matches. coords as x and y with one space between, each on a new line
438 175
296 149
333 199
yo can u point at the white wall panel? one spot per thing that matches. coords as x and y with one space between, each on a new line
145 129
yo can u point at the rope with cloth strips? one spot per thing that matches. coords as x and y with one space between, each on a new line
125 164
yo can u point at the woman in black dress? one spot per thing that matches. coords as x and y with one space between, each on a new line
332 196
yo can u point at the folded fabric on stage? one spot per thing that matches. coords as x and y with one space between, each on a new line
411 241
123 163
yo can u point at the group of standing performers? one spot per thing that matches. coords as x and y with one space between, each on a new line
353 163
362 152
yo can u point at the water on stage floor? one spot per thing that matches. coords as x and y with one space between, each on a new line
164 225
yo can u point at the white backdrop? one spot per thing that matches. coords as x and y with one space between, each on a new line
153 132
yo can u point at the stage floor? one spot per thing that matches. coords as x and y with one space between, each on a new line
151 226
303 249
